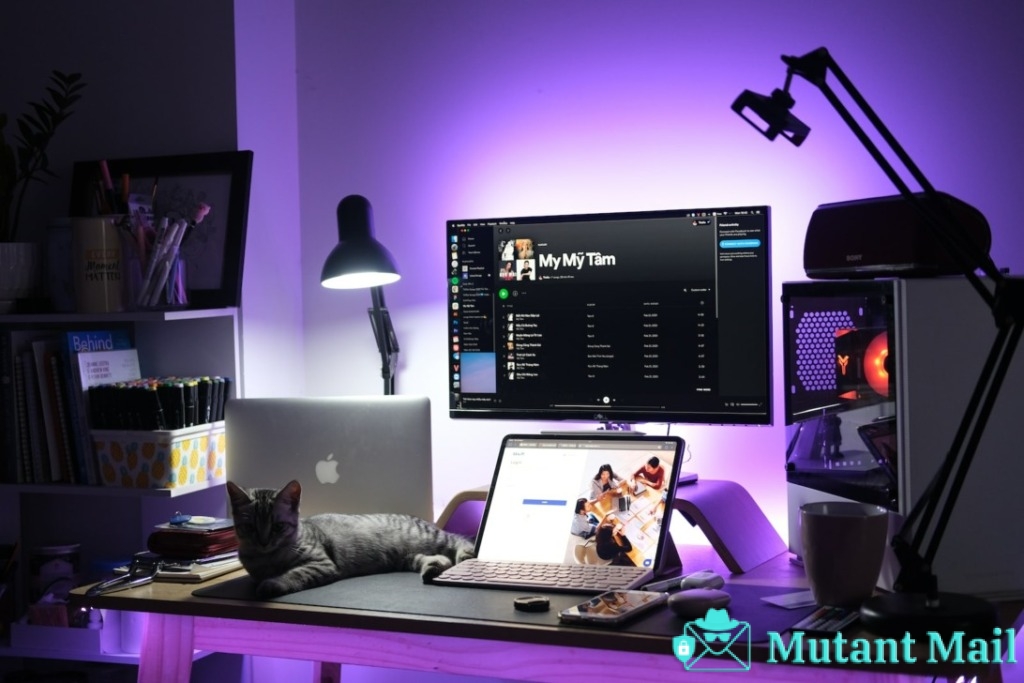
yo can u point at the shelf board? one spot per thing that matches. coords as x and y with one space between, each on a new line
127 316
106 491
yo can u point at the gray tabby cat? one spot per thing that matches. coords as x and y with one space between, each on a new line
286 553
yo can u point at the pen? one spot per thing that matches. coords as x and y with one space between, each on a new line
108 186
154 256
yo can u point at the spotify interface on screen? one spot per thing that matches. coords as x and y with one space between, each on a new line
647 314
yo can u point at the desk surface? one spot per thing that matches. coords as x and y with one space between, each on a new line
530 647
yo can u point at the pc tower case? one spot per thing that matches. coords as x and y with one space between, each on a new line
877 375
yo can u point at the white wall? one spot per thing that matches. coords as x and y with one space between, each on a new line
271 324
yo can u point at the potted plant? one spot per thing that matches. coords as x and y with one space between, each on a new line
23 162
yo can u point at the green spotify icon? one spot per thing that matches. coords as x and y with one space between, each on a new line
502 293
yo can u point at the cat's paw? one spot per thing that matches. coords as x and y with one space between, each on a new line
272 588
464 554
432 565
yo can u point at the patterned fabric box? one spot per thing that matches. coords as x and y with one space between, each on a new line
161 459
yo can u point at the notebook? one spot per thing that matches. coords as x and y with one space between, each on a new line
351 454
531 535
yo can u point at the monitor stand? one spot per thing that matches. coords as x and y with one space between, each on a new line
725 512
730 519
606 429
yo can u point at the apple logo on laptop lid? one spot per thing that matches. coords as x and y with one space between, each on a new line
327 470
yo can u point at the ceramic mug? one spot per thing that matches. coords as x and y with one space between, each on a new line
96 255
844 545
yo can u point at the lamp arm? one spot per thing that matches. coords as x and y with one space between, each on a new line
1005 300
814 68
384 334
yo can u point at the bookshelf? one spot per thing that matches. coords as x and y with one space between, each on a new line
111 523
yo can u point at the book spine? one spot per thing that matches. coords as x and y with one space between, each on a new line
64 428
8 418
78 420
40 349
78 408
23 454
37 434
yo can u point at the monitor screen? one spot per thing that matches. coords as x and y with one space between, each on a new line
657 316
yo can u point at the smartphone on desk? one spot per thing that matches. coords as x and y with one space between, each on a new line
612 608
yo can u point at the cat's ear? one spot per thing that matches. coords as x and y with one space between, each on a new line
290 494
237 495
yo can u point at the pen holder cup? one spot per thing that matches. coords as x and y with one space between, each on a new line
157 283
98 263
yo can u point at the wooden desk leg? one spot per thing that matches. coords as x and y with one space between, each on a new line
166 649
326 672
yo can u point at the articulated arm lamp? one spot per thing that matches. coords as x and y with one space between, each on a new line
917 605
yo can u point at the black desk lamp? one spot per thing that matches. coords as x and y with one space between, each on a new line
357 262
916 606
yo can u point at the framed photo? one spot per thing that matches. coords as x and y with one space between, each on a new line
176 186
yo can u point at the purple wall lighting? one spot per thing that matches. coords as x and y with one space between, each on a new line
465 109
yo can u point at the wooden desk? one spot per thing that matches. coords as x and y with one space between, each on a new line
180 622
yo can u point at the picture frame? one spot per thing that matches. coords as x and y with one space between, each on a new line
214 252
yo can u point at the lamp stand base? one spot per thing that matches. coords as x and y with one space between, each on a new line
894 614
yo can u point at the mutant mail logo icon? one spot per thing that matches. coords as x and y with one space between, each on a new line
714 642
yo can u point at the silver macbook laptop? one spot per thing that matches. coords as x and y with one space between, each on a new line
575 513
352 454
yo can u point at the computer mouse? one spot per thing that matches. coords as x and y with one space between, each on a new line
696 602
701 579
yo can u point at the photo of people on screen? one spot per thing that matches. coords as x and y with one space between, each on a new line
651 475
508 271
617 515
611 542
526 269
584 522
605 483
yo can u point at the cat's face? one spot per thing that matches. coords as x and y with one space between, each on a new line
265 519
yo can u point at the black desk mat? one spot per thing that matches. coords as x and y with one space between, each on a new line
404 592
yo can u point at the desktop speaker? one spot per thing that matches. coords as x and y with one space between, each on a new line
886 237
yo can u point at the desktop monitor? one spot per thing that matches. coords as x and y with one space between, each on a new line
619 318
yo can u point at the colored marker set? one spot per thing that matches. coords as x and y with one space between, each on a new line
158 403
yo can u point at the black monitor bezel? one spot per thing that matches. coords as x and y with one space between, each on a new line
623 417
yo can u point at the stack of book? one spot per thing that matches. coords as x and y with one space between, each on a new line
193 551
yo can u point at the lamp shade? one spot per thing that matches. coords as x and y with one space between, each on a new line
358 261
